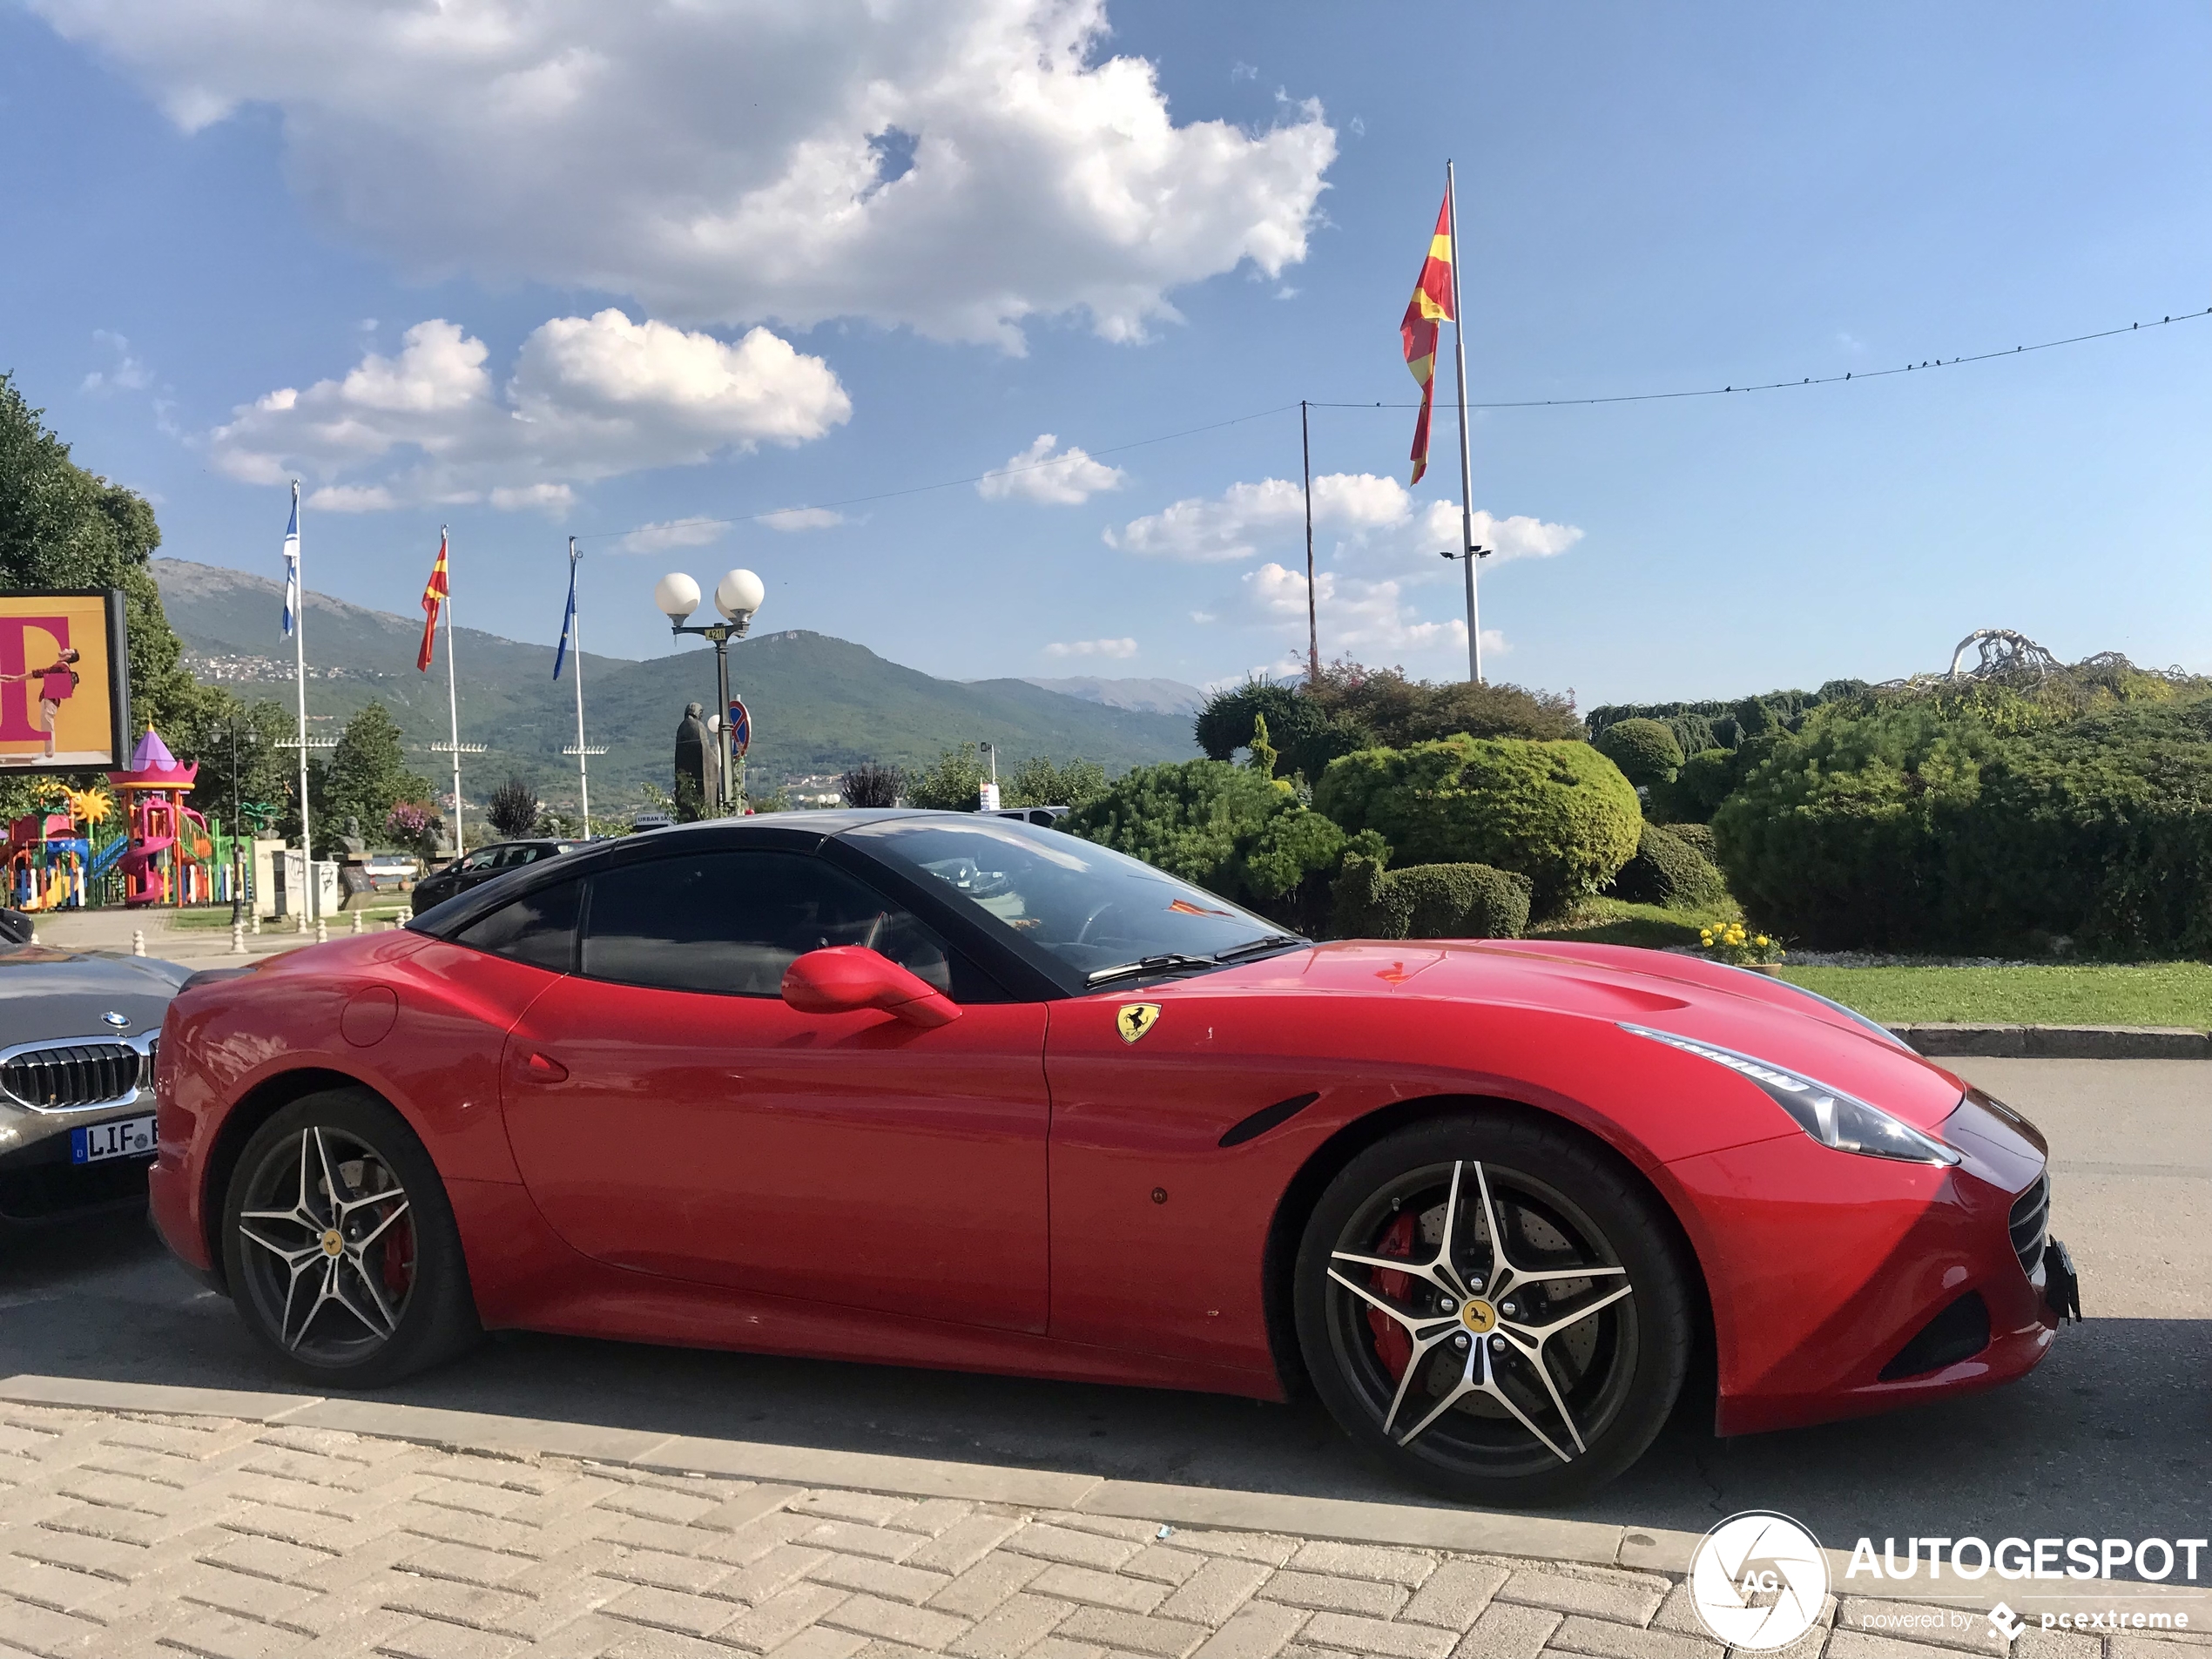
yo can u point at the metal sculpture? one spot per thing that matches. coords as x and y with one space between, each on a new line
2001 654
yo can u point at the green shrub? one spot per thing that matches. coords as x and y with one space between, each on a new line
1560 813
1667 871
1693 734
1040 781
1429 901
1695 793
1915 824
954 785
1231 831
1698 838
1646 751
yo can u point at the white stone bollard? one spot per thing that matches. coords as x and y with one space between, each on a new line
138 941
256 924
357 921
237 938
322 931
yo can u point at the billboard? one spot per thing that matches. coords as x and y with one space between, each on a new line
64 681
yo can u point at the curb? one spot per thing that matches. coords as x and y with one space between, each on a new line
1547 1539
2058 1042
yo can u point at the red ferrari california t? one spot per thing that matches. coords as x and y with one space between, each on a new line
937 1090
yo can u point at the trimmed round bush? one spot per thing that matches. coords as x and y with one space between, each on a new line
1646 750
1429 901
1560 813
1188 818
1698 838
1667 871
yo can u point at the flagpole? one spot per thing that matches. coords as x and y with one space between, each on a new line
1466 466
576 650
453 694
299 680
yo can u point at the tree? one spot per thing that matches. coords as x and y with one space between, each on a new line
871 784
267 776
366 775
513 809
1647 751
1040 782
954 785
62 527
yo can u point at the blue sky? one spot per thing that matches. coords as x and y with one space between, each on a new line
658 275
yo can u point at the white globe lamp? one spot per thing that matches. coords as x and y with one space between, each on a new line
738 594
677 596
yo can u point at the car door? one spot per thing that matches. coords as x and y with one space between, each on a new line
671 1114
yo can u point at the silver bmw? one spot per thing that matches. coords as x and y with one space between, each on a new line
78 1032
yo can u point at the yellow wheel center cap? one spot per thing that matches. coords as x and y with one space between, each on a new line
333 1243
1478 1316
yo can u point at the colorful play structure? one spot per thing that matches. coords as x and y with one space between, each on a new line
165 855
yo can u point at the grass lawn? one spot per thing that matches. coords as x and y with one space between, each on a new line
2067 993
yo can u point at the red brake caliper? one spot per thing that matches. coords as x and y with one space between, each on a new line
1394 1346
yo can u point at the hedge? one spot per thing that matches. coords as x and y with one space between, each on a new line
1915 825
1667 870
1429 901
1560 813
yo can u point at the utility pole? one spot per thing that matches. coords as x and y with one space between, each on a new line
1312 623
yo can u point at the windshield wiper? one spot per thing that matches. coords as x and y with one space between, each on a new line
1268 941
1151 965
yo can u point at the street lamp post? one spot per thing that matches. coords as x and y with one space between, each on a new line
737 595
238 876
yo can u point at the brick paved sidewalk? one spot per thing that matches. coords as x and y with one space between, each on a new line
134 1535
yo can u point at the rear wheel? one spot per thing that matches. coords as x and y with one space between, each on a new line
340 1246
1493 1308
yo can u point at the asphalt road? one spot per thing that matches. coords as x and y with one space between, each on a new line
2107 1438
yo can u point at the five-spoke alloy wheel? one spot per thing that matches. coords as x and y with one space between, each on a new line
1494 1307
339 1246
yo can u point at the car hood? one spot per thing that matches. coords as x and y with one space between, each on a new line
49 992
1620 986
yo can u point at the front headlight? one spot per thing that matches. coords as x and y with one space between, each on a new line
1828 1114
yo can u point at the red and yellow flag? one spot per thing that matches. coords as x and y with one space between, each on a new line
433 596
1431 304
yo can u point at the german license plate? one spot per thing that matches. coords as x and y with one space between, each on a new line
125 1138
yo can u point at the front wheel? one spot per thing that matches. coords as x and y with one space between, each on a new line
1494 1308
340 1246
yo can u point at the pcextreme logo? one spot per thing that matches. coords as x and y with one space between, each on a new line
1758 1580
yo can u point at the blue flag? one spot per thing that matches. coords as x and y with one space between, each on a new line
292 565
568 627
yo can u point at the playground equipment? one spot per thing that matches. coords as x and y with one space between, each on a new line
168 851
48 862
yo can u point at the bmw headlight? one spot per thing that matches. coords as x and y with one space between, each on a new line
1829 1116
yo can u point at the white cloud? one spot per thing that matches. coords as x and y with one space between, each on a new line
125 373
747 159
590 398
1043 472
1357 615
1116 648
1358 510
351 498
670 533
803 518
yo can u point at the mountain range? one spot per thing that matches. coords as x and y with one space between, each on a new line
819 704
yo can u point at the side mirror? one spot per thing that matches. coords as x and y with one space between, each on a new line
845 977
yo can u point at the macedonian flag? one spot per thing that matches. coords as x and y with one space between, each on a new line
1431 304
433 596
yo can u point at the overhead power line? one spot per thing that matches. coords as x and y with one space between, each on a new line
1517 403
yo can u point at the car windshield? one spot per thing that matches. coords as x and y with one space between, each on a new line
1095 910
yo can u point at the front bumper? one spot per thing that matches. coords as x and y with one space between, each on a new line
42 1185
1825 1267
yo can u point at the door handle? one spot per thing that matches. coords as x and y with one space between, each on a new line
545 1068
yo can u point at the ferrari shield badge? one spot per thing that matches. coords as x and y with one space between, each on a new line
1136 1019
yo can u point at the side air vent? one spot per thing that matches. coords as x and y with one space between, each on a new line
1265 1118
2031 1223
1960 1331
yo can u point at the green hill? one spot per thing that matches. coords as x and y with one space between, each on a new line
818 704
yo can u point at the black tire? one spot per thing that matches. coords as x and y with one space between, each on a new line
1468 1409
361 1297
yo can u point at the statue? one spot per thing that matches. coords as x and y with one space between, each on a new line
697 757
350 841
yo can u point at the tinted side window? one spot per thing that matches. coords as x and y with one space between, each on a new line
733 921
539 929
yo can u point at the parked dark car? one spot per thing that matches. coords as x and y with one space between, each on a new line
78 1031
481 865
